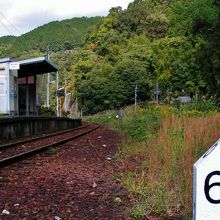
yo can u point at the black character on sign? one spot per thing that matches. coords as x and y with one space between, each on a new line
208 186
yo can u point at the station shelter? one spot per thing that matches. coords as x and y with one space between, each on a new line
18 92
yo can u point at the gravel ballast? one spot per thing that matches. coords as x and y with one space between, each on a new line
74 181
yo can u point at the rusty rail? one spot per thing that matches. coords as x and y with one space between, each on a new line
14 159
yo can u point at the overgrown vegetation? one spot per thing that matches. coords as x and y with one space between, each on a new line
174 43
156 159
151 41
45 111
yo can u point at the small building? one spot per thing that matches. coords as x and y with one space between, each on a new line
18 94
184 99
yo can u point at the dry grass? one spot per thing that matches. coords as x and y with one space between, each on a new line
157 159
180 142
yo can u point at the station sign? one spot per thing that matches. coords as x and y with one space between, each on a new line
14 65
60 92
3 94
206 185
2 66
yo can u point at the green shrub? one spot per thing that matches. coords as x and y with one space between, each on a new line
45 111
198 108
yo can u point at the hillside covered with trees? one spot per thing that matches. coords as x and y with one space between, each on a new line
56 35
174 43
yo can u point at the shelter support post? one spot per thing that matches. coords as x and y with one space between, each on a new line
27 99
57 98
48 90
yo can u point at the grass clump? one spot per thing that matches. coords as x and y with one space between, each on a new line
201 108
138 125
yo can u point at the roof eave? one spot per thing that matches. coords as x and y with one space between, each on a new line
38 60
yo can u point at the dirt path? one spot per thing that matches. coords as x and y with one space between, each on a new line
75 183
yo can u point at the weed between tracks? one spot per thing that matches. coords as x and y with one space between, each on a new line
52 150
161 147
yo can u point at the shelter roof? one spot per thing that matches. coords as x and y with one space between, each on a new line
36 66
5 60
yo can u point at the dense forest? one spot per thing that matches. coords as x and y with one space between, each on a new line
174 43
55 36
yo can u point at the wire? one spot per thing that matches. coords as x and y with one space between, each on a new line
9 31
12 25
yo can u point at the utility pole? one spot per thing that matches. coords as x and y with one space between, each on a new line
135 96
156 92
76 109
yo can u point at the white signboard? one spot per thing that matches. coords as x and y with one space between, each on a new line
14 65
2 66
207 185
3 85
3 94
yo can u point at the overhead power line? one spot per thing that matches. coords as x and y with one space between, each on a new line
10 23
6 28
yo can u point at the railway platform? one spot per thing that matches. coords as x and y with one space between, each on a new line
18 127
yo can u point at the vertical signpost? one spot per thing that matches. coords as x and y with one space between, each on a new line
207 185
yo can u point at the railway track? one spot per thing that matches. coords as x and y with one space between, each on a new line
13 152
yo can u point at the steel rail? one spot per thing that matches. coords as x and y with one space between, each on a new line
14 159
13 144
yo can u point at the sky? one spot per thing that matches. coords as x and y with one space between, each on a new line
20 16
